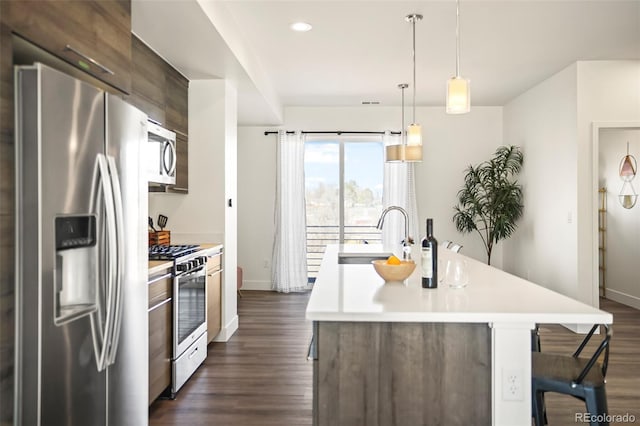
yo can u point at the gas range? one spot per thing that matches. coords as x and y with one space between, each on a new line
171 252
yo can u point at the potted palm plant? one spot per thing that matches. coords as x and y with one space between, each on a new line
490 202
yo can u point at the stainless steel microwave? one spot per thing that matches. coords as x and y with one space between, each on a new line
161 155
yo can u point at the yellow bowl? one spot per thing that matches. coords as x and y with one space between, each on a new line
394 272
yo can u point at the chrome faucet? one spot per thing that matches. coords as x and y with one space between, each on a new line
406 243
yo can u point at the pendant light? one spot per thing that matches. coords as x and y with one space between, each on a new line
458 91
627 172
414 131
628 195
628 167
398 152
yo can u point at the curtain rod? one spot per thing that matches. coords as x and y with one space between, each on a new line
337 132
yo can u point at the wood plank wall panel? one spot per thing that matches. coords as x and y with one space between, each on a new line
403 374
7 242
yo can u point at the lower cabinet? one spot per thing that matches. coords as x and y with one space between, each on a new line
160 337
214 299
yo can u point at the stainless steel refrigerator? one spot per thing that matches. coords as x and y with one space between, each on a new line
81 257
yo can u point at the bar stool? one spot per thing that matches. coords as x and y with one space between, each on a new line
572 375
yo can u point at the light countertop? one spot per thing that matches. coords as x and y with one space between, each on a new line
357 293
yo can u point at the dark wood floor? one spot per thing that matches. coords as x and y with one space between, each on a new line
261 376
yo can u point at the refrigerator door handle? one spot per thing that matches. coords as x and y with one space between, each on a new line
102 334
119 259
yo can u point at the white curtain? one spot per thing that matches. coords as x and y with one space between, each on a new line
399 189
289 263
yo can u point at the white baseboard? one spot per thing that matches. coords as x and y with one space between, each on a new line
227 331
624 298
260 285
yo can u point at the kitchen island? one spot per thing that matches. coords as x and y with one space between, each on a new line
398 354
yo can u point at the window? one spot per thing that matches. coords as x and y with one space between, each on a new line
343 190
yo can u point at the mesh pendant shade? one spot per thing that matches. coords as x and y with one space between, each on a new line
400 153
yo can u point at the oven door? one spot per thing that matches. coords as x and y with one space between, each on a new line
190 303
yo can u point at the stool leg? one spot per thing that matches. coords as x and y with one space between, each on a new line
596 400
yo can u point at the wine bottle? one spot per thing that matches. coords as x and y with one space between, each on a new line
429 258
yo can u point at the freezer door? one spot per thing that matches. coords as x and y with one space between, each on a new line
128 375
59 134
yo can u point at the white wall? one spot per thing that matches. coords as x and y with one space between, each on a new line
202 215
542 121
450 144
553 121
623 225
608 91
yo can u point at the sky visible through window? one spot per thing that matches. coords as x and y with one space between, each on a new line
363 177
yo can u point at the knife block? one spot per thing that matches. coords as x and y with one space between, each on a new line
162 238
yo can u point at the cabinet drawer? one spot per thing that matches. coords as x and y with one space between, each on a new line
160 346
214 262
160 288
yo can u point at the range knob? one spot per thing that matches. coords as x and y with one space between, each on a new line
182 267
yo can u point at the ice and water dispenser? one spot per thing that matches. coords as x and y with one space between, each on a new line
76 273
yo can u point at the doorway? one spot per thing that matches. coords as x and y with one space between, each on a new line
616 228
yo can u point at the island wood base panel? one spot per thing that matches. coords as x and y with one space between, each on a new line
392 374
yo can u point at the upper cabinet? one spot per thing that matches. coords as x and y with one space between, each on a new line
94 36
162 92
177 91
148 80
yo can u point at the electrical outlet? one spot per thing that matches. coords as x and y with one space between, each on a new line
265 263
512 385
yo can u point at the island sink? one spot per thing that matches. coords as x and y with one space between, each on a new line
361 258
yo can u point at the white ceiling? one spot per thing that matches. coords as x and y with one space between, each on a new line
360 50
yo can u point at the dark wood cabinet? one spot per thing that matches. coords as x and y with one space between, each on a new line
182 165
160 333
176 104
401 373
214 293
94 36
162 92
148 79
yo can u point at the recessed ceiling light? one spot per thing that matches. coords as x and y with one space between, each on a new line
301 26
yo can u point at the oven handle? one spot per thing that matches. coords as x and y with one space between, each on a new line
191 272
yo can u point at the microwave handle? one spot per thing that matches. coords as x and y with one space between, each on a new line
169 158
